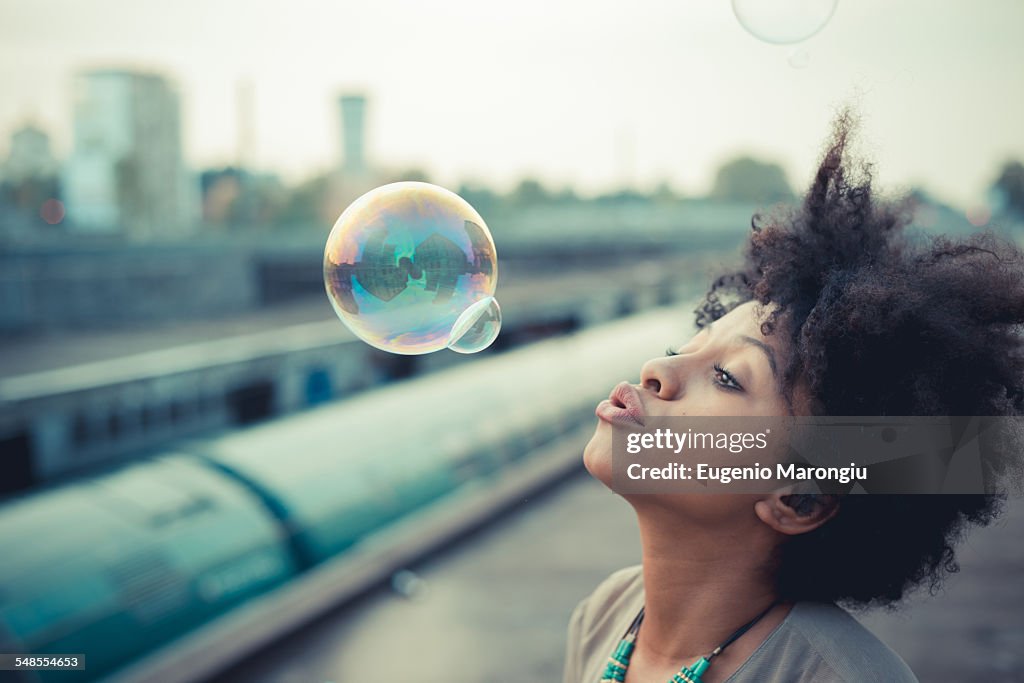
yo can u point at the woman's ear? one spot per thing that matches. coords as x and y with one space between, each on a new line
796 513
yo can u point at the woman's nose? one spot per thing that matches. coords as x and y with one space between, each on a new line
659 377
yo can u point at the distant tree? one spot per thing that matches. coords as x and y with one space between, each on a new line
303 205
621 196
567 195
480 197
28 194
413 174
234 198
530 191
220 190
746 179
664 194
1010 187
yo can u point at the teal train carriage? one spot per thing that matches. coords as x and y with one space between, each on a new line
126 566
117 565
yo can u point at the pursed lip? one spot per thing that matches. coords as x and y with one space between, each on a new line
623 405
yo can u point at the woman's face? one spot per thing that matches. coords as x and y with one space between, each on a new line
728 368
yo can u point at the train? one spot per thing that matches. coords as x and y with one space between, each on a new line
58 422
125 565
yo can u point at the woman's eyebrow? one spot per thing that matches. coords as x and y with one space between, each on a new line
767 352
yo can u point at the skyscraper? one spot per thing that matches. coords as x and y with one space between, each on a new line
126 171
353 116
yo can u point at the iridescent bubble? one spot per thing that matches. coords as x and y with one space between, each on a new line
405 262
783 21
477 327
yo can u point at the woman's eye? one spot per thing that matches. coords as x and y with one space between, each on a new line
725 379
722 376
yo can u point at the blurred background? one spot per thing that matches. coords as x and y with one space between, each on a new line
205 476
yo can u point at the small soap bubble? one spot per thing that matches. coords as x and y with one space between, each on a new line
783 21
477 327
408 263
799 58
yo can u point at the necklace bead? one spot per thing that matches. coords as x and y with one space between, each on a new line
618 662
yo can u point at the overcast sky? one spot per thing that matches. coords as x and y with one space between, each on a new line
582 92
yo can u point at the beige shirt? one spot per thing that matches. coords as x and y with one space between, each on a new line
815 642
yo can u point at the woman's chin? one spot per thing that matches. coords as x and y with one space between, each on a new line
597 455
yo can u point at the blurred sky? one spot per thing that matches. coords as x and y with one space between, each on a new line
582 92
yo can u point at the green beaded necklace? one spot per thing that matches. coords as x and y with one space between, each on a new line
618 662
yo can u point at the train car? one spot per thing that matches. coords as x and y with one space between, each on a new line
117 565
61 421
127 562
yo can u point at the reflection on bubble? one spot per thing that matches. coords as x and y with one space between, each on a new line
799 58
404 262
783 21
477 327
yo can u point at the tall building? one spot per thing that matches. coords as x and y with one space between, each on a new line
29 156
126 172
353 132
29 188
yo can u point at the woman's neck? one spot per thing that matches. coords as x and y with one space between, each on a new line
701 585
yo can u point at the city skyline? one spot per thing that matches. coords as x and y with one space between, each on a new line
586 96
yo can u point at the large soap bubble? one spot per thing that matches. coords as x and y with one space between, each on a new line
411 268
783 21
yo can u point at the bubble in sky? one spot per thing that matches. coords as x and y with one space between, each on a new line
783 21
411 268
799 58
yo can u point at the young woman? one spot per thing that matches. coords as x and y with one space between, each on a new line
836 312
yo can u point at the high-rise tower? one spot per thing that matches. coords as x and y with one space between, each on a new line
126 171
353 131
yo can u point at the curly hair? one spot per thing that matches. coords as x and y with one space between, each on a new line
875 321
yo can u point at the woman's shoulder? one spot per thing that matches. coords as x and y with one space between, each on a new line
827 639
619 584
600 620
622 590
815 642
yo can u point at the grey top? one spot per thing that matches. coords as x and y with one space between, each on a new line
815 642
